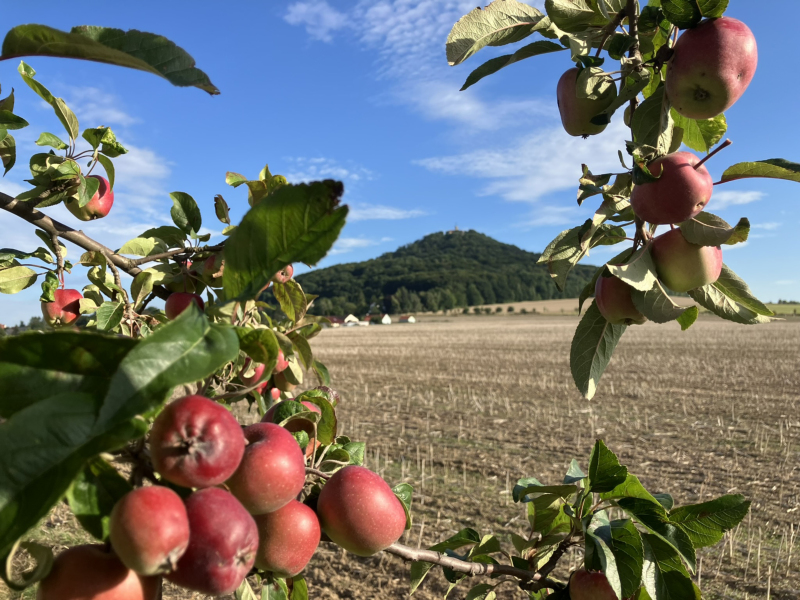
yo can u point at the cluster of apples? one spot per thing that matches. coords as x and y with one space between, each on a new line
244 511
710 68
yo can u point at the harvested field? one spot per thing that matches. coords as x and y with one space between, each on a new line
461 408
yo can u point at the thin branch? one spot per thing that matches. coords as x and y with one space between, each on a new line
59 257
633 53
609 29
80 239
723 145
539 580
318 473
171 253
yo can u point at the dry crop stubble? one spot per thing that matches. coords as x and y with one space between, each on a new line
484 401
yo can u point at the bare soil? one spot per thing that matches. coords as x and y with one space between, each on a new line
461 408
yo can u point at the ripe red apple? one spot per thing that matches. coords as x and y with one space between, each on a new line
284 275
149 529
180 301
272 471
196 442
358 511
287 539
93 573
711 67
683 266
275 393
64 309
282 363
678 195
576 113
613 299
590 585
98 207
258 373
222 544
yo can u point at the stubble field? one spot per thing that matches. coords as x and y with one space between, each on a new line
461 408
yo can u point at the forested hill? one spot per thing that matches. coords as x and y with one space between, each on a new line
440 271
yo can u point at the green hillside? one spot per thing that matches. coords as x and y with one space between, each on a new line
440 271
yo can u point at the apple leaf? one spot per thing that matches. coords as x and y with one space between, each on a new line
684 14
731 299
495 64
712 9
700 134
502 22
260 344
404 491
605 470
299 223
639 271
573 16
134 49
658 307
652 124
663 573
109 315
15 279
185 213
42 557
773 168
592 346
630 488
707 229
143 246
9 120
656 520
93 495
245 592
706 523
291 298
8 152
418 572
599 531
736 289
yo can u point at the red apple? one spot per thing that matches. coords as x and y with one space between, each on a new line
711 67
149 529
272 471
258 373
93 573
212 271
98 207
222 544
678 195
590 585
275 393
196 442
180 301
282 363
64 309
613 299
682 266
358 511
287 539
576 113
284 275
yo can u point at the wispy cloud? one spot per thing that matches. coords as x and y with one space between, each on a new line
727 198
96 107
369 212
311 169
318 17
344 245
786 282
767 226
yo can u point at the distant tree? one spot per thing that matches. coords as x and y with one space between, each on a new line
498 309
476 310
473 295
510 309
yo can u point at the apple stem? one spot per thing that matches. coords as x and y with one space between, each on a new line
724 144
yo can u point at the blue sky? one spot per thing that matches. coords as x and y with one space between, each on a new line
361 91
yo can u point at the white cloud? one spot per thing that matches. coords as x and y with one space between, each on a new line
319 18
344 245
368 212
540 163
311 169
543 216
767 226
726 198
785 282
95 107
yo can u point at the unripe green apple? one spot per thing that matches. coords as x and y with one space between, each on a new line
576 113
64 309
272 471
711 67
222 544
590 585
149 529
196 442
94 573
683 266
287 539
613 299
98 207
679 194
179 302
358 511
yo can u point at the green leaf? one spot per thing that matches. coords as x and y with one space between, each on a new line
707 229
135 49
7 103
93 495
245 592
712 9
665 500
185 213
655 518
48 139
105 138
663 575
657 306
630 488
706 523
260 344
495 64
172 236
321 371
109 168
702 134
525 487
86 190
9 120
275 589
684 14
574 473
573 16
546 515
638 271
736 289
605 471
652 124
630 88
291 298
774 168
109 315
592 347
628 550
8 152
482 591
15 279
143 246
419 570
221 209
599 532
404 491
465 537
715 298
300 223
500 23
43 558
64 114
